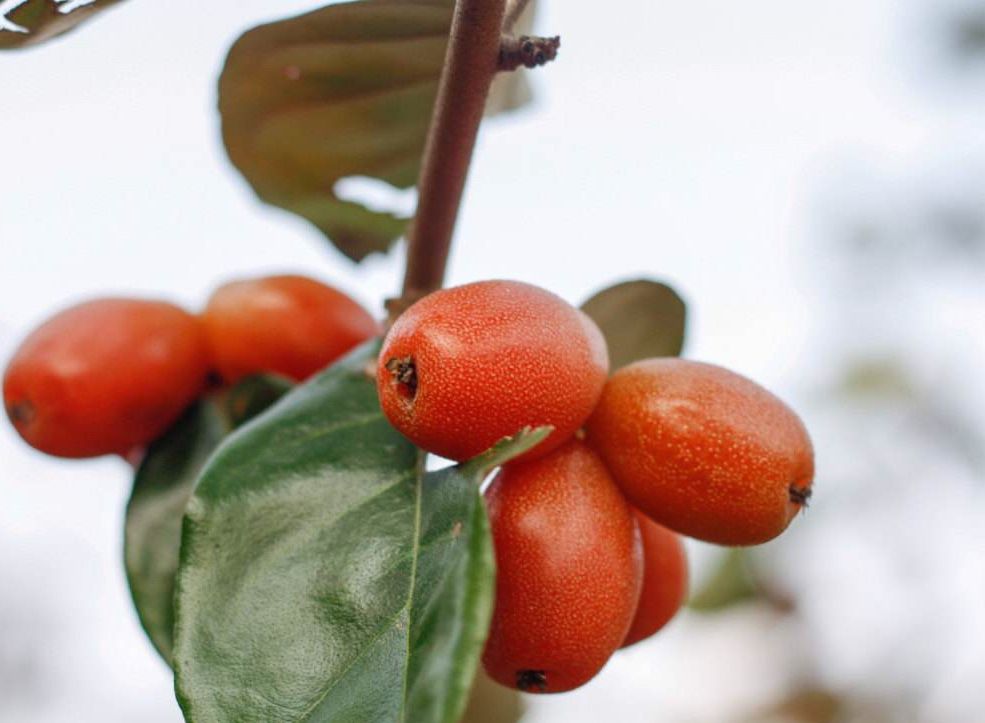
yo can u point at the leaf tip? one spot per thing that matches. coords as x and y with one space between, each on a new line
510 447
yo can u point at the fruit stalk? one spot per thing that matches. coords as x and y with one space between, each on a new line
470 64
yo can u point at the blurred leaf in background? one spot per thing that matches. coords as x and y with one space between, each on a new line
342 92
730 583
639 319
32 22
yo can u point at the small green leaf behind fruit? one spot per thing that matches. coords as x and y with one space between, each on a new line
324 576
35 21
162 487
730 583
344 91
639 319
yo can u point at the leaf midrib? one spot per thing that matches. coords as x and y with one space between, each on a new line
407 606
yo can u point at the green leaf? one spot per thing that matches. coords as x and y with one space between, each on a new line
324 576
640 319
162 488
35 21
252 396
730 583
343 91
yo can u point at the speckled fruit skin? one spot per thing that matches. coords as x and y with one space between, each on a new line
665 579
491 358
105 376
703 451
290 325
569 570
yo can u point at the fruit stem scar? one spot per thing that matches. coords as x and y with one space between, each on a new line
529 679
800 496
404 372
21 412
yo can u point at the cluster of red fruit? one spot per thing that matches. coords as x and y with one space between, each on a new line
110 375
585 524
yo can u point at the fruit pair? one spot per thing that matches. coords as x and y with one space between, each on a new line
579 573
109 375
695 447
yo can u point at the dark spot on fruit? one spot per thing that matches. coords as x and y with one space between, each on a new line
21 412
213 380
527 680
405 374
800 496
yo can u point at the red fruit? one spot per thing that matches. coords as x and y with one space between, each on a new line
664 579
289 325
465 367
569 570
703 451
105 376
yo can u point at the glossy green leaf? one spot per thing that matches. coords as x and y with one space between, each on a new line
324 576
162 488
35 21
340 92
640 319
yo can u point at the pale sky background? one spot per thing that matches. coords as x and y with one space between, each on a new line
715 145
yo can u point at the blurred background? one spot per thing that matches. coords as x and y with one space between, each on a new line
811 177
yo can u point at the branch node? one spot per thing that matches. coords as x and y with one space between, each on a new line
527 50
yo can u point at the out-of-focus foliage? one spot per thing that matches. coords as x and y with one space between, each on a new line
640 319
344 91
806 705
730 583
967 34
35 21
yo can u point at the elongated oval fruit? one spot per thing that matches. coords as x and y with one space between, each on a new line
465 367
665 579
105 376
290 325
568 570
703 451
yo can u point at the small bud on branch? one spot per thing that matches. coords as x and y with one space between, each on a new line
528 51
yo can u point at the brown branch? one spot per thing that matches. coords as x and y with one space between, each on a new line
470 64
528 51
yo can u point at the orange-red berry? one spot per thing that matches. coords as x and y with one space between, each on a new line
465 367
290 325
105 376
665 579
569 570
703 451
